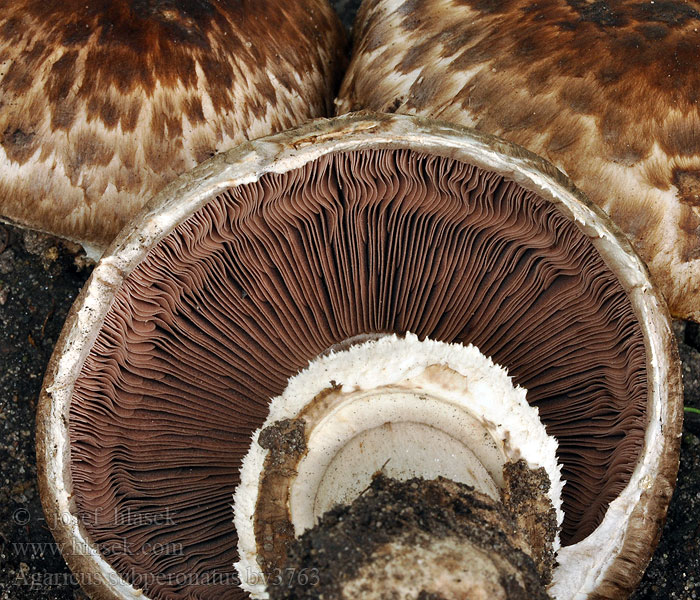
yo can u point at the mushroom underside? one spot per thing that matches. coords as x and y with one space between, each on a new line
269 275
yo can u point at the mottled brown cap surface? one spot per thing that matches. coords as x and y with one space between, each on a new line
103 102
608 91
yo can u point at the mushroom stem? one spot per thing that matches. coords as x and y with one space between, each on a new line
423 539
414 410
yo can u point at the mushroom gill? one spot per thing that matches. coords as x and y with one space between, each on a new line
269 274
606 91
104 102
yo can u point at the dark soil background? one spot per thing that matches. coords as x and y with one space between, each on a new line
40 277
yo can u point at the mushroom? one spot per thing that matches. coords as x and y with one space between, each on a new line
395 237
104 102
606 91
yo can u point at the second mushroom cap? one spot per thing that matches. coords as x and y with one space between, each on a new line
607 91
103 102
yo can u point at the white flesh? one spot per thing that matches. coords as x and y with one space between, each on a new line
416 408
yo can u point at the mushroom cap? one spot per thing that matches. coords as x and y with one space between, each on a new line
606 91
138 377
104 102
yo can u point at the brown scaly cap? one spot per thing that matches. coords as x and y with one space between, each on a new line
104 102
607 91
